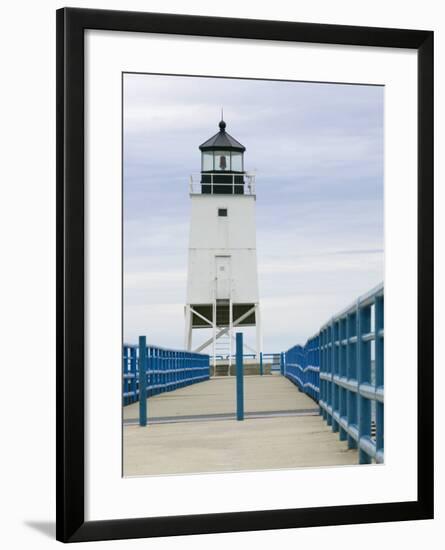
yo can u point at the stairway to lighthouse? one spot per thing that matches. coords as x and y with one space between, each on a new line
223 349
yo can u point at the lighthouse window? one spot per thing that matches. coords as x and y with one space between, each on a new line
207 161
222 212
222 160
237 161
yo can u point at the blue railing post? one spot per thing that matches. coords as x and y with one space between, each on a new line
142 381
322 373
379 345
239 377
133 369
329 372
342 373
282 364
261 363
334 364
363 377
351 373
154 376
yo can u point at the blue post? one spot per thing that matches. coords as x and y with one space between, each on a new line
351 374
239 377
133 361
342 371
322 371
261 363
142 381
379 379
281 364
334 350
363 377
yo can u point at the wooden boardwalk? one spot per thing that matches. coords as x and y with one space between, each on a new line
281 439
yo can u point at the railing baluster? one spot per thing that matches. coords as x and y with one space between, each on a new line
352 379
379 377
239 377
342 375
133 370
364 371
329 373
142 381
335 403
322 372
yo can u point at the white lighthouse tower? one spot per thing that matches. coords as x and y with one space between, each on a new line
222 286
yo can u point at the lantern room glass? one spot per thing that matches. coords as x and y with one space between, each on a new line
207 161
237 161
222 161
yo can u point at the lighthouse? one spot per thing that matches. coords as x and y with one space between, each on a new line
222 280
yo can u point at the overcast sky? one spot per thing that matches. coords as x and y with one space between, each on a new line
318 152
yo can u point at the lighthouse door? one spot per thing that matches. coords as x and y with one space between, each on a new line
222 277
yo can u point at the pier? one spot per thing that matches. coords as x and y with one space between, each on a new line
321 405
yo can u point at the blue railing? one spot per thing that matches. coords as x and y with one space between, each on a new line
342 368
302 367
166 370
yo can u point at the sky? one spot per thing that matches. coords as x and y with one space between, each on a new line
317 149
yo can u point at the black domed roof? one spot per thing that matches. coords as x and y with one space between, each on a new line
222 140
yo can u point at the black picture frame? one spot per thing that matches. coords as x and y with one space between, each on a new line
71 24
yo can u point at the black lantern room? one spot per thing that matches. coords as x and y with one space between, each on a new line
222 164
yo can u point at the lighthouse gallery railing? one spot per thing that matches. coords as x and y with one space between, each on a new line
342 369
213 180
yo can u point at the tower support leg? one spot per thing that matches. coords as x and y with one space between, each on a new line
230 333
188 328
259 333
214 337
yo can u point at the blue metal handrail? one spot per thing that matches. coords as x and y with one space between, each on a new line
302 366
340 370
166 370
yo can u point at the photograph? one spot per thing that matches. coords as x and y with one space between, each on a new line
253 274
221 290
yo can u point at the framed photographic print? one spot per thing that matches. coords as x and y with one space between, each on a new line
245 274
